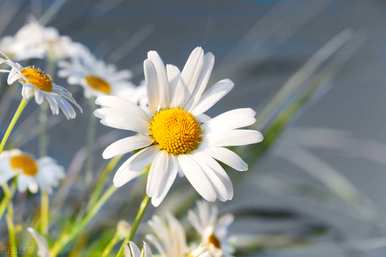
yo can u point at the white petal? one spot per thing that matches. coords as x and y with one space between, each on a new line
126 145
235 137
202 81
122 119
134 166
146 250
192 68
121 104
197 177
212 96
41 242
27 91
152 85
172 71
13 75
163 83
220 180
132 250
228 157
233 119
180 93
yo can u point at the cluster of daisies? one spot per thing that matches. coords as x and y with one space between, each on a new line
173 134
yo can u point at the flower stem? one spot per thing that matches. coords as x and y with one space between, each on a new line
106 252
44 212
91 134
43 138
6 199
137 221
11 126
102 179
66 238
11 232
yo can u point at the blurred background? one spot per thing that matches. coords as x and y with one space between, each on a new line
320 189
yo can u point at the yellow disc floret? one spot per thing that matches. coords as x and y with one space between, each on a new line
37 78
213 240
24 163
175 131
98 84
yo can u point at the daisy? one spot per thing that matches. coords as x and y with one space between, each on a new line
169 239
36 41
212 229
95 76
39 84
132 250
32 174
175 136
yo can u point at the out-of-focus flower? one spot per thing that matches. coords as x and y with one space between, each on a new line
39 84
132 250
137 95
95 76
175 136
41 242
168 236
169 239
32 174
36 41
212 229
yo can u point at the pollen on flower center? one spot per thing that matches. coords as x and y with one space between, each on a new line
98 84
24 163
37 78
175 131
213 240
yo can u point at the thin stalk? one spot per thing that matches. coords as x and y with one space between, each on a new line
11 232
137 221
43 122
91 134
11 126
109 247
8 193
102 179
77 228
44 212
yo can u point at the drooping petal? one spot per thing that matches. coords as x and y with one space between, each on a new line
134 166
197 177
228 157
126 145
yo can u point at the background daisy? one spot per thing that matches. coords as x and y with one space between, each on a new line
31 173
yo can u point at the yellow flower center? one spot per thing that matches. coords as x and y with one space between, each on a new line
37 78
175 131
24 163
213 240
98 84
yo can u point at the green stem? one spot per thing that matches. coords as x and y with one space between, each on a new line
137 221
102 179
91 134
106 252
11 232
44 213
11 126
8 193
43 138
66 238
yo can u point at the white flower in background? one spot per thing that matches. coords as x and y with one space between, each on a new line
39 84
41 242
36 41
168 236
32 174
175 136
95 76
212 229
137 95
169 239
132 250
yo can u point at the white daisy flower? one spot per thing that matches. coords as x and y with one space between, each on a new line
32 174
168 236
95 76
175 136
169 239
212 229
39 84
132 250
36 41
